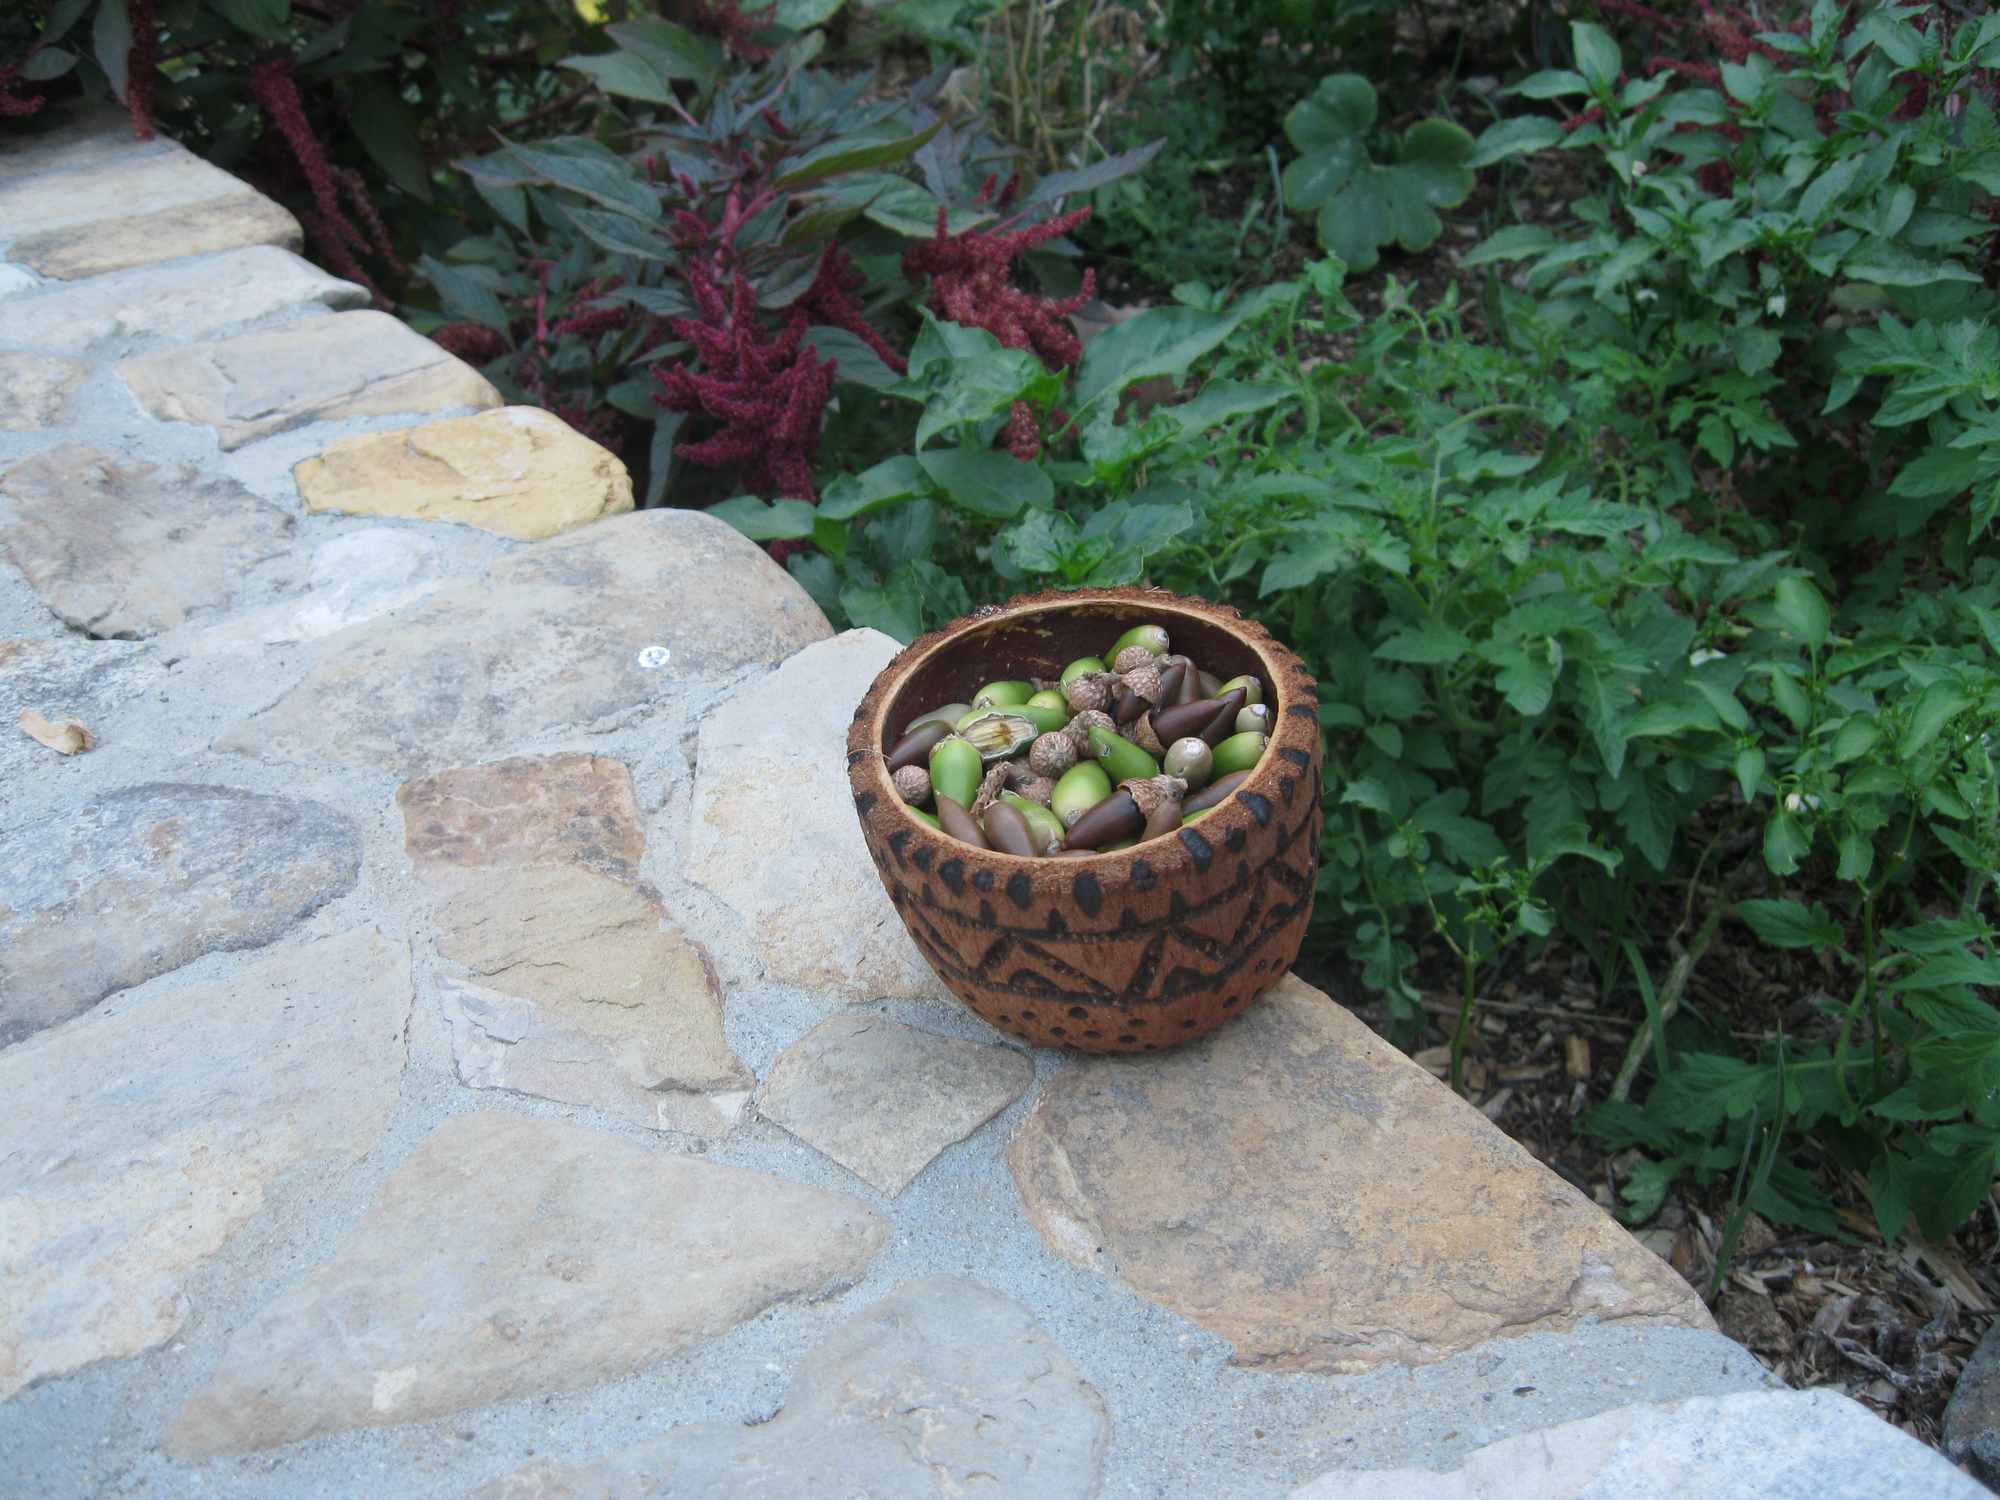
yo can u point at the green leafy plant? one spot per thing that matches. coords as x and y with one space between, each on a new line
1363 204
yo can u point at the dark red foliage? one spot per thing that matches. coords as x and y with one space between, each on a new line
830 300
272 86
14 104
473 342
140 65
972 284
730 24
768 390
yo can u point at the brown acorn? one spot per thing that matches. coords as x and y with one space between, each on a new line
1007 830
1215 793
1116 817
957 822
1052 753
1223 725
914 748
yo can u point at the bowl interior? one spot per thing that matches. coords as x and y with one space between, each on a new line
1042 642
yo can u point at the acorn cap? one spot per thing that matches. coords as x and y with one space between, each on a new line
1143 681
1090 691
997 780
1131 657
1140 732
1079 729
1052 753
1149 792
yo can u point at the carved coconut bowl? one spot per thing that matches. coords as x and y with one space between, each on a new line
1130 951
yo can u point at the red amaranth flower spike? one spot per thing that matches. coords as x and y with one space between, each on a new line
971 284
139 66
830 300
730 24
16 105
769 390
272 86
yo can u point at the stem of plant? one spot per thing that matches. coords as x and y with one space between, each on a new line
1469 995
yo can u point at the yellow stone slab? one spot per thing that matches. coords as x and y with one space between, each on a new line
517 471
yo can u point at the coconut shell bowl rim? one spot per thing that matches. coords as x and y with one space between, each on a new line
1293 753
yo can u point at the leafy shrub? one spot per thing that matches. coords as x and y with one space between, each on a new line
1691 560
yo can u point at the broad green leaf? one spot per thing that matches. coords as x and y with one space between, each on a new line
622 235
1370 794
1604 711
1886 263
1786 842
1511 243
1790 924
584 167
1525 680
1597 56
986 482
111 43
267 20
889 482
766 520
672 51
1340 108
798 15
1098 174
1949 969
1164 341
46 65
1801 611
851 156
625 74
1516 137
1940 703
984 386
388 133
1749 769
857 363
1945 1191
1427 644
467 293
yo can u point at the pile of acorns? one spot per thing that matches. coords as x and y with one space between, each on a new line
1099 759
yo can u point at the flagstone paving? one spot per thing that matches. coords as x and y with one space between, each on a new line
454 1042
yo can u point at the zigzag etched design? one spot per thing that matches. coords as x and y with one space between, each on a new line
1262 920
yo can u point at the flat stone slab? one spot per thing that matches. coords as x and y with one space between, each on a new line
141 1136
518 471
883 1099
1306 1191
582 994
942 1388
117 185
351 364
67 677
567 632
1756 1445
36 390
772 829
126 551
193 299
147 878
511 1256
68 134
139 239
1972 1419
353 576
